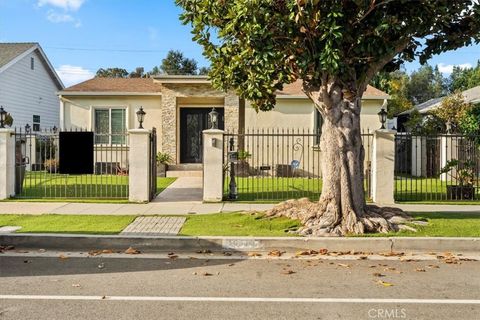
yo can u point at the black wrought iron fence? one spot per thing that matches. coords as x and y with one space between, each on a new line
437 167
277 164
71 164
153 164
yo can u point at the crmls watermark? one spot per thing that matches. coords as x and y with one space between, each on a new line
387 313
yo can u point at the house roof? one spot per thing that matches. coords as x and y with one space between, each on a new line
294 89
11 53
471 95
115 85
107 86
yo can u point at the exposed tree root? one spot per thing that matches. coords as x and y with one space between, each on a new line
323 219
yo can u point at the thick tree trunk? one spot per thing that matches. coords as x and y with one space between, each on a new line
342 208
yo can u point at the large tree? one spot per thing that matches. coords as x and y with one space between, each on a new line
335 47
426 83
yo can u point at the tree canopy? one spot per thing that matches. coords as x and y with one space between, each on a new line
175 63
257 46
111 73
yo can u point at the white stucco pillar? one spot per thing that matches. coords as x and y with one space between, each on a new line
448 151
419 156
212 165
139 165
383 166
7 163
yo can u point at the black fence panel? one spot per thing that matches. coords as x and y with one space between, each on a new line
437 167
41 155
278 164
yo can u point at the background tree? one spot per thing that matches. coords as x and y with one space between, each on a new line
426 83
176 64
203 71
336 48
462 79
395 84
111 73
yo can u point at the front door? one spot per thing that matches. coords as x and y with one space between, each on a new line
192 122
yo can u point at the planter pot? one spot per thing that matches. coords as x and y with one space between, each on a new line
19 178
161 170
460 192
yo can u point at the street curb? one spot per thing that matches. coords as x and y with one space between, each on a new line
69 242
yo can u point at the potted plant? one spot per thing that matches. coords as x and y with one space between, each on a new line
51 165
163 159
464 176
242 167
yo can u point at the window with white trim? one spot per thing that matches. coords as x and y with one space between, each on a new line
110 125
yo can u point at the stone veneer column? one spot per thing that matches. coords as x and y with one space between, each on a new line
169 123
231 109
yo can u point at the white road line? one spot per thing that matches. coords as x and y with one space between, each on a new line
239 299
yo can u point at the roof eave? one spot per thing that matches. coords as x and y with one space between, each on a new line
106 93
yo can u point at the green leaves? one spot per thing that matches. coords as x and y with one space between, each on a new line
259 45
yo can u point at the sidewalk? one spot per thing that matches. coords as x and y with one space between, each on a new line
179 208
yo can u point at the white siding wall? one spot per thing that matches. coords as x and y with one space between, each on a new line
25 92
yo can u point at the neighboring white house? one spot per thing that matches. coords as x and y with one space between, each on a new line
28 86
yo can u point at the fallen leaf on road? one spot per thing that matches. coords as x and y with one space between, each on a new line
104 297
306 253
389 269
377 274
231 264
62 257
131 250
76 285
204 251
392 254
384 283
173 257
226 253
372 266
254 254
21 251
171 253
344 265
431 266
206 274
276 253
322 251
42 250
362 258
287 272
420 270
101 266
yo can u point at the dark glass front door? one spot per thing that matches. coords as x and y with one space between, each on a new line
192 122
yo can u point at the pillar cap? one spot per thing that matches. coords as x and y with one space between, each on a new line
139 131
213 131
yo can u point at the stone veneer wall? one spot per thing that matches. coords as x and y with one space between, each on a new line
170 95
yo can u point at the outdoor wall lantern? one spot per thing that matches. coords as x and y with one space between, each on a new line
382 115
214 118
3 117
27 129
140 117
55 129
449 126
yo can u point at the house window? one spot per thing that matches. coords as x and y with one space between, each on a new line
32 63
110 126
318 126
36 123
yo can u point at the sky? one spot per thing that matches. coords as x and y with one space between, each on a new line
81 36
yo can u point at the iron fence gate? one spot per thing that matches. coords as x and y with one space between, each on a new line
71 164
153 164
437 167
278 164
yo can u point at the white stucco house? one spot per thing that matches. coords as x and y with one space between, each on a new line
29 86
178 107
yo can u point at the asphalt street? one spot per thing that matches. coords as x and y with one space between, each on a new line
55 285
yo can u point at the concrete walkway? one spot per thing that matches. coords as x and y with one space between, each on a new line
178 208
183 189
154 226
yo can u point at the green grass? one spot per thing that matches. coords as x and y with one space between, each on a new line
441 225
79 224
163 183
79 188
237 224
408 188
275 189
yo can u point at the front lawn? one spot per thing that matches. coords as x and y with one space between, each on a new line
237 224
56 223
